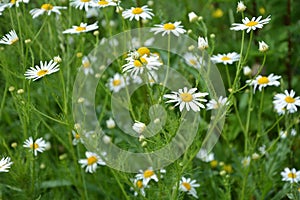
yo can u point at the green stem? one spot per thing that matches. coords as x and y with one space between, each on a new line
168 64
260 112
246 133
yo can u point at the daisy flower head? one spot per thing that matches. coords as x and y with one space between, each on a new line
138 187
82 28
293 176
240 7
46 8
253 24
192 17
77 138
146 176
86 66
202 43
139 127
116 83
228 58
12 3
263 47
91 162
138 66
5 164
168 28
42 70
138 13
215 104
193 60
286 101
187 99
9 38
80 4
103 3
246 161
110 123
264 81
39 145
205 156
188 185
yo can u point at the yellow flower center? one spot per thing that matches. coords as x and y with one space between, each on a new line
187 186
116 82
217 13
193 61
102 3
34 146
85 1
77 136
263 80
13 1
14 40
139 63
225 58
214 164
137 11
169 26
143 50
186 97
91 160
42 72
139 184
79 29
148 173
47 6
251 23
228 168
292 175
86 64
289 99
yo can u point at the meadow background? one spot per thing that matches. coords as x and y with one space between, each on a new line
256 143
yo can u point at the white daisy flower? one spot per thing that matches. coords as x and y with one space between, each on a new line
144 63
293 176
13 3
286 101
1 9
82 28
252 24
240 7
228 58
139 127
42 70
80 4
5 164
202 43
247 71
36 146
77 138
192 60
9 38
86 66
264 81
146 176
263 47
46 8
246 161
110 123
138 187
187 98
188 185
103 3
192 17
293 132
91 162
213 104
116 83
204 156
168 28
138 12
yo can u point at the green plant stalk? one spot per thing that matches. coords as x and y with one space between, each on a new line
246 133
168 65
260 112
120 185
83 179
